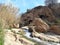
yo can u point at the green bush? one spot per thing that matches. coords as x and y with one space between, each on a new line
1 35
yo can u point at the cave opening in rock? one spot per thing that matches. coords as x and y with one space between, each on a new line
30 21
42 16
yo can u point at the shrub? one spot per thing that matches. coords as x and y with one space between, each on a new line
1 34
8 15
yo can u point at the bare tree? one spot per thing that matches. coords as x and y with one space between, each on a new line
52 2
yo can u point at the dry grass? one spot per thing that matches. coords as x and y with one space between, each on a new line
8 15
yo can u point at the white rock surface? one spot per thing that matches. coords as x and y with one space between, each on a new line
10 39
13 38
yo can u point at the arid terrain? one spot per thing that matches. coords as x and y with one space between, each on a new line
37 26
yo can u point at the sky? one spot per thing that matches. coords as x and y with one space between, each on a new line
23 5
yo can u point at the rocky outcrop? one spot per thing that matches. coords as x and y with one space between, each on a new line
43 12
55 29
40 19
56 10
46 37
12 38
40 25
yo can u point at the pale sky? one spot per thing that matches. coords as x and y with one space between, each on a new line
23 5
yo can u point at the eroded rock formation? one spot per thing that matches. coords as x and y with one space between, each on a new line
43 12
55 29
46 16
40 25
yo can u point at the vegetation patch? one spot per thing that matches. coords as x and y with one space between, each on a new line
1 36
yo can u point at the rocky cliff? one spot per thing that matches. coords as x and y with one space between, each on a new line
49 15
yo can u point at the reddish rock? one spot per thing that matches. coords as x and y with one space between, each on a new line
39 26
55 29
43 12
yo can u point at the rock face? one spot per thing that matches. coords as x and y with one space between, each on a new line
55 29
56 10
46 37
40 25
43 12
12 38
47 16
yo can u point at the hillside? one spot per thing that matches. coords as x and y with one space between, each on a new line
48 14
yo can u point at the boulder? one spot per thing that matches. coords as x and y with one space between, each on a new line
39 26
55 29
